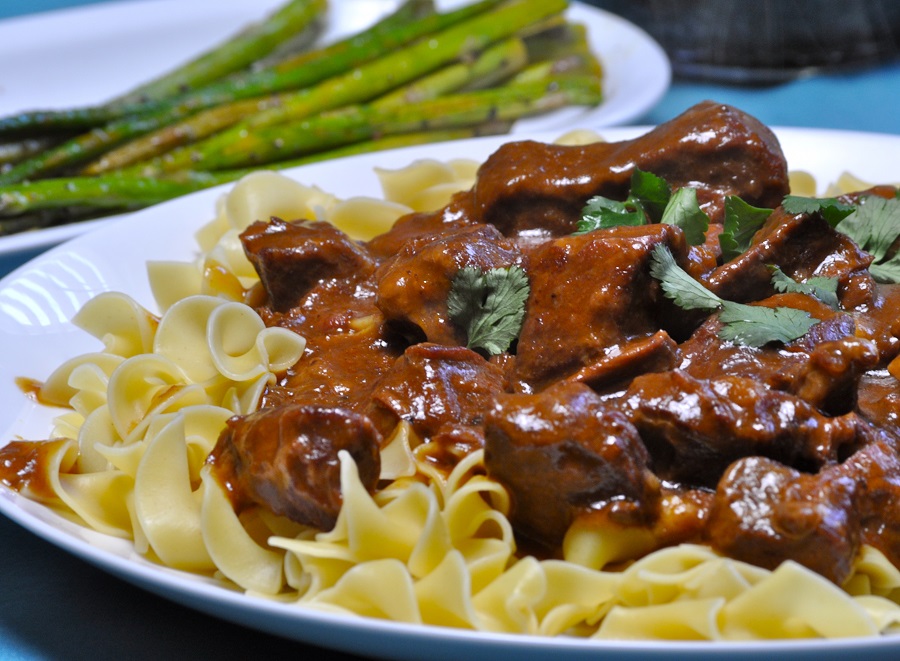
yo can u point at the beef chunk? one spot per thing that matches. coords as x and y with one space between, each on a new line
417 229
878 399
765 513
876 469
695 428
565 452
437 388
656 353
803 246
292 257
822 367
414 286
286 459
600 284
528 188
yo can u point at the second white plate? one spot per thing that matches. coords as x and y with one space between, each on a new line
84 56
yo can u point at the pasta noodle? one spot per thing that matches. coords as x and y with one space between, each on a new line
429 548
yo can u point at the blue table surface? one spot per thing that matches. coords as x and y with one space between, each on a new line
54 606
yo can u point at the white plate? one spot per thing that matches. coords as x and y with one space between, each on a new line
85 56
38 299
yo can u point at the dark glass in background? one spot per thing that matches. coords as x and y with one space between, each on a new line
760 42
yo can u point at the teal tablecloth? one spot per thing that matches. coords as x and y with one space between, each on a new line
53 606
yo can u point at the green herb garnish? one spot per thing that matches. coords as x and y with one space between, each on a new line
645 203
651 200
684 211
832 209
742 221
824 289
750 325
874 226
489 305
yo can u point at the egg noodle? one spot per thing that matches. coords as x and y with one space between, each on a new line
146 410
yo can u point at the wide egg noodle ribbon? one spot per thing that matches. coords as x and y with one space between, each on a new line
121 323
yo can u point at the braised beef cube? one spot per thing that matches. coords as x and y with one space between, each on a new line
420 228
565 452
591 295
765 513
286 459
528 188
414 286
694 428
292 257
876 469
655 353
802 246
436 388
878 399
822 367
880 323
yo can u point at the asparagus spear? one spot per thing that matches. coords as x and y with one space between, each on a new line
26 206
297 71
223 100
82 147
103 192
490 67
458 42
406 25
13 152
99 140
356 123
236 53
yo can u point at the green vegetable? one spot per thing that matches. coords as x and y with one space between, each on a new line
756 326
235 53
832 209
646 202
489 305
825 289
750 325
349 124
458 42
602 213
684 211
228 101
742 221
650 201
875 226
35 204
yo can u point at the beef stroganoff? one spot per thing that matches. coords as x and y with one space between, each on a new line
304 418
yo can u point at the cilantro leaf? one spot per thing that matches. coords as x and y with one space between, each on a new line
678 285
645 203
875 227
888 271
651 193
684 211
489 305
750 325
603 213
756 326
742 221
832 209
651 200
824 289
